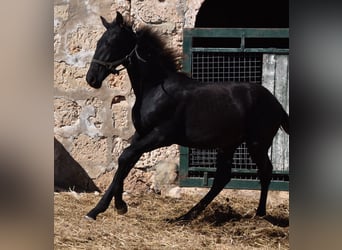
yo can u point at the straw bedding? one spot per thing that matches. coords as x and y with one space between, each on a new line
227 223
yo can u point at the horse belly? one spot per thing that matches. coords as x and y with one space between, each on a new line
214 128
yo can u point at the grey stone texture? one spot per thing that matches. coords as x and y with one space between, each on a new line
94 126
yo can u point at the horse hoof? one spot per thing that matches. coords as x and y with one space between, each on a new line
89 218
91 215
180 220
122 210
260 213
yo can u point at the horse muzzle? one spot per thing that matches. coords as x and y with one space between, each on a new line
92 81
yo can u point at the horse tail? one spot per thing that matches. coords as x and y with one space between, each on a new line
285 122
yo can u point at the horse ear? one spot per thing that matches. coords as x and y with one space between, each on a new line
105 23
119 19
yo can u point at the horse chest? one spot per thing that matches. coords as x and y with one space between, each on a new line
145 116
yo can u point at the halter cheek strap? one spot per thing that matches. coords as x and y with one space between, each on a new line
112 65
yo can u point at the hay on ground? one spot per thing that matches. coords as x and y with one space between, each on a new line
227 223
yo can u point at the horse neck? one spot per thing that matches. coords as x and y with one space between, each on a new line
143 77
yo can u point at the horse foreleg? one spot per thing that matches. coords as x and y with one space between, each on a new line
126 162
222 177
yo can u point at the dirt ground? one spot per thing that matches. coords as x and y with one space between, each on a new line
227 223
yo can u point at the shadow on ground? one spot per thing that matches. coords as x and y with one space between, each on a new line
68 173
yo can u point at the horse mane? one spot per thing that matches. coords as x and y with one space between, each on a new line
153 41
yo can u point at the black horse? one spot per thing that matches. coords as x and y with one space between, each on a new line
171 108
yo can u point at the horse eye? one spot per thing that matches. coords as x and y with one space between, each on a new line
109 42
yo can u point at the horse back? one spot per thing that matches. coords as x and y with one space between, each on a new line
218 111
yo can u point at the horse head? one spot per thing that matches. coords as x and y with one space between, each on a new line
113 49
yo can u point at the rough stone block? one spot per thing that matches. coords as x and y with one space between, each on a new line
165 176
91 154
66 112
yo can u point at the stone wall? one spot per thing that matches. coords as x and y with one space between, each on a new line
95 125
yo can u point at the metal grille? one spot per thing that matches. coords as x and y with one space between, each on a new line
220 67
201 158
223 67
242 159
208 59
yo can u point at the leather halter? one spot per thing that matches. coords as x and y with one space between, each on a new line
111 66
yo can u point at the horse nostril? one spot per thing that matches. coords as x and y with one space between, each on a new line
90 79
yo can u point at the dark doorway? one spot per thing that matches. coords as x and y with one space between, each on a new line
243 14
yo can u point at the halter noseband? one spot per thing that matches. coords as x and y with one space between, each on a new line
112 65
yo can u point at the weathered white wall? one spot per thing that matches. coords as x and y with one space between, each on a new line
95 125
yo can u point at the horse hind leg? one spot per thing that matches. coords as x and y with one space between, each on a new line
222 177
259 155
